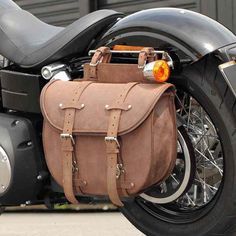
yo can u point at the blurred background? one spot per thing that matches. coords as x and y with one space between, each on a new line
64 12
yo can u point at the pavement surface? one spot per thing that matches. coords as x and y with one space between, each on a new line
66 224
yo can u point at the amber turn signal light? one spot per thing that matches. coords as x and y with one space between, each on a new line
158 71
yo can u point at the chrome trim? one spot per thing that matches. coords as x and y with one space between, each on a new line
61 75
227 64
55 71
165 56
91 52
224 66
5 171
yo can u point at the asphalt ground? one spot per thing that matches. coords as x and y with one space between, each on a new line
45 223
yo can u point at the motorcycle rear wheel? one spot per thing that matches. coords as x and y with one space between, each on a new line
202 81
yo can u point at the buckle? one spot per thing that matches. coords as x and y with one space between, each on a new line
119 170
112 139
100 55
94 64
142 66
66 136
75 167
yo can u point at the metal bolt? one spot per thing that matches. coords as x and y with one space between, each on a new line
39 177
3 187
60 105
129 107
105 208
4 158
14 123
28 202
46 73
132 185
29 143
82 105
107 106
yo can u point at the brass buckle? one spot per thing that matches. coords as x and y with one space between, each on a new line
112 139
66 136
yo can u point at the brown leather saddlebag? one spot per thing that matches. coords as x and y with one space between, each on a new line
108 139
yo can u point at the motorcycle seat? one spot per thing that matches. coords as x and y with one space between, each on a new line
30 43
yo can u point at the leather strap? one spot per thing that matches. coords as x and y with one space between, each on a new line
146 54
67 140
112 145
103 55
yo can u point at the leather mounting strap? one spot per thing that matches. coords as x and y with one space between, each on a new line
146 54
103 55
112 145
67 141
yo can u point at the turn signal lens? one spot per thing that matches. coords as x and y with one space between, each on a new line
127 48
161 71
158 71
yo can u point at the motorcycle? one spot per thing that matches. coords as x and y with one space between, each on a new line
198 198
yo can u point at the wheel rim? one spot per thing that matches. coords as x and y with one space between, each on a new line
199 197
178 187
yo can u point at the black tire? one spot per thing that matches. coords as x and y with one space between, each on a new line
204 82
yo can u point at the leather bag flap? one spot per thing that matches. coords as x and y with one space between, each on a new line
95 103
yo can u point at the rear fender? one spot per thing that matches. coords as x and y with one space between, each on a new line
193 33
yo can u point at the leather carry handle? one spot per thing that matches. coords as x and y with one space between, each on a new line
103 55
146 54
